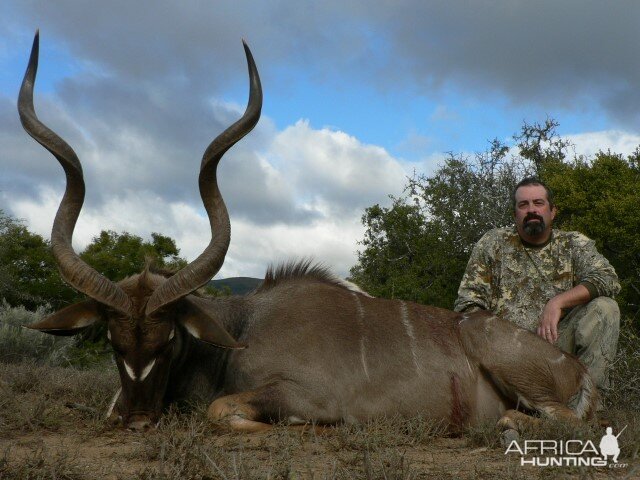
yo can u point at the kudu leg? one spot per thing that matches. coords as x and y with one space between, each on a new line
241 412
528 370
238 412
513 419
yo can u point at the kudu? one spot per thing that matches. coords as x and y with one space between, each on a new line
305 346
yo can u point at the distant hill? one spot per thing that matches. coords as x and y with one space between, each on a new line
238 285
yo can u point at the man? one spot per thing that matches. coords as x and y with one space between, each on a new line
551 282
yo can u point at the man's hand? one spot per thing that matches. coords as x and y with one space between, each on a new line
548 326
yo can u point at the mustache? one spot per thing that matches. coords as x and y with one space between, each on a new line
532 216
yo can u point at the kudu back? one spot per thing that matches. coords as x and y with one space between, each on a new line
305 346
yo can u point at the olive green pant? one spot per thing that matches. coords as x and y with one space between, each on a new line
590 332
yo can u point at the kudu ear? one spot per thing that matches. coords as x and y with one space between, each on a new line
205 327
70 320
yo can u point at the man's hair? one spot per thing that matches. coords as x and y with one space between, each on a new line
533 181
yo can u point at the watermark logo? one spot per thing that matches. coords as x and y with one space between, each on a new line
569 453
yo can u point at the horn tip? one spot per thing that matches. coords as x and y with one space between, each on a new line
36 41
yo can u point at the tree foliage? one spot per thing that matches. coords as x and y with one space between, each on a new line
28 273
417 248
119 255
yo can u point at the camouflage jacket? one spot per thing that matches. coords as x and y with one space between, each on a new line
516 282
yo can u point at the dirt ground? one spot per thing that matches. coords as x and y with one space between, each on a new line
51 427
186 447
120 455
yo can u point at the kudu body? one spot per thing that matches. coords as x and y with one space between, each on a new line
305 346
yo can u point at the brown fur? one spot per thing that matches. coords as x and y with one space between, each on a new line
459 404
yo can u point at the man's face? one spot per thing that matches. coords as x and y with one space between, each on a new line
534 215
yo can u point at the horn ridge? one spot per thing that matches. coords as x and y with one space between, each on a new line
72 268
209 262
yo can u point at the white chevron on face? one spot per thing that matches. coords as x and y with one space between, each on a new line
147 369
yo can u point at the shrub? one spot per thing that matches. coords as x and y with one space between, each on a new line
18 343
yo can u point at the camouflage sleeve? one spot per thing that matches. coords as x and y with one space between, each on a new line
474 292
592 269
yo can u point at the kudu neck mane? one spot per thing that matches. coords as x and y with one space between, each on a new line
301 270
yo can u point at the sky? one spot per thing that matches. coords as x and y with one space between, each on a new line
358 95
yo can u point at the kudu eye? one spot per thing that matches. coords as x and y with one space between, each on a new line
117 347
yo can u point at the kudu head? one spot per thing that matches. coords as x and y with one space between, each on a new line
146 313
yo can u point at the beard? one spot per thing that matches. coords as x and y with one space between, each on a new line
533 229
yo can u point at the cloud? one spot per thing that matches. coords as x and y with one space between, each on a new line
334 171
573 55
331 242
588 144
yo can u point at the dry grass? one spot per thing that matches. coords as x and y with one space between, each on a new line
39 397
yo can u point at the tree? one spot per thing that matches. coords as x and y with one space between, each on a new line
28 272
541 145
119 255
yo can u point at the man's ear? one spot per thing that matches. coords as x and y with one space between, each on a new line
199 323
70 320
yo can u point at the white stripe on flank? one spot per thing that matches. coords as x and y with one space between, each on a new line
404 315
129 370
363 359
468 364
147 369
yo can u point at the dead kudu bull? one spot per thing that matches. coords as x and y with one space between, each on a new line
317 348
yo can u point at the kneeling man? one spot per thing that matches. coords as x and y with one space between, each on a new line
552 282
